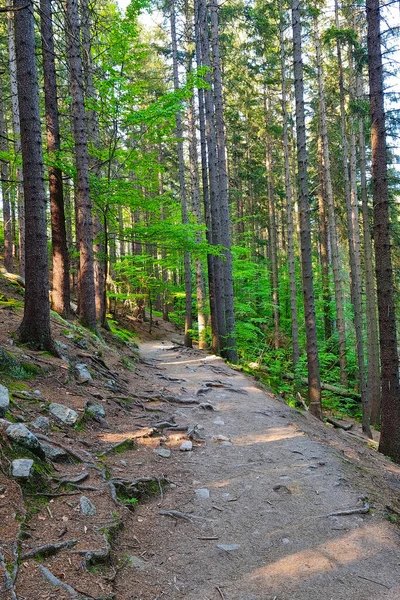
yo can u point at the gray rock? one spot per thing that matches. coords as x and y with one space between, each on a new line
164 452
4 400
202 493
21 468
82 343
4 423
111 384
87 507
20 434
95 410
228 547
63 413
82 374
186 446
136 562
41 423
219 422
53 453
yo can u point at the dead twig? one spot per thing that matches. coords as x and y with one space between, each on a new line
177 514
374 581
362 510
220 592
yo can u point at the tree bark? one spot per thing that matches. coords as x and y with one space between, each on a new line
182 185
17 142
35 326
230 350
314 385
373 373
331 216
5 191
289 206
390 440
86 291
60 296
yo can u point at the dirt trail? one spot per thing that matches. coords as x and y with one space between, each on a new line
264 532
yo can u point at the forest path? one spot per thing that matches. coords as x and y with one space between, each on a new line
264 532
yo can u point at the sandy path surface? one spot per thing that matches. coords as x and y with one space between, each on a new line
258 504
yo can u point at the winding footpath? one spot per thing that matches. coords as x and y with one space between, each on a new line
256 498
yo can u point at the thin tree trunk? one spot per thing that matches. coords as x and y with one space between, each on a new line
17 141
5 190
331 218
194 177
314 384
373 375
86 291
60 296
324 241
390 440
289 207
182 186
35 326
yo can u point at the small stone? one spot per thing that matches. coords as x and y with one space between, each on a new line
53 453
41 423
202 493
220 438
186 446
228 547
82 343
226 444
164 452
4 423
219 422
281 489
111 384
20 434
87 507
37 393
82 374
95 410
4 400
63 413
123 462
136 562
21 468
61 346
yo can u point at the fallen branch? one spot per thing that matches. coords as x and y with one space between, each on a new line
362 510
176 514
339 425
220 592
48 549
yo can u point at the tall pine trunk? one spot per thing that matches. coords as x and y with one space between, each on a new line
314 383
5 190
35 327
60 296
86 291
390 439
182 185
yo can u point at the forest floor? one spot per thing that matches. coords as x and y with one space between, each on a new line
247 514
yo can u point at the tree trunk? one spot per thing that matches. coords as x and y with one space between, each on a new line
194 177
5 191
60 296
217 289
331 217
182 186
390 440
35 326
373 375
230 350
17 142
314 385
289 207
86 292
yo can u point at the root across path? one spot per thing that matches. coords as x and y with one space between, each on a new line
268 504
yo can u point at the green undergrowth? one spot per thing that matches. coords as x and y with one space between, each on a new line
131 495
